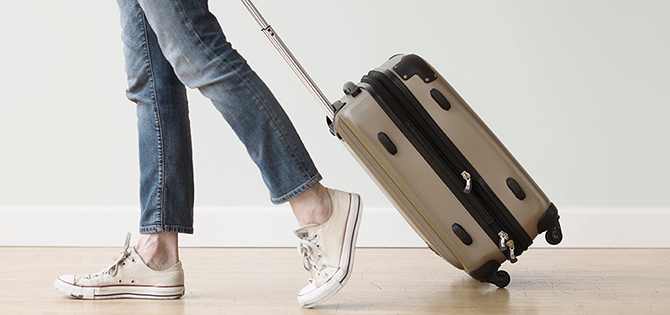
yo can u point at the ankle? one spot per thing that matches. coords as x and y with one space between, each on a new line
159 251
312 206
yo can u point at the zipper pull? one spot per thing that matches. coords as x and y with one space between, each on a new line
468 182
512 257
507 244
502 245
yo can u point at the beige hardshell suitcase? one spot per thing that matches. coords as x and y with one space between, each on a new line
443 169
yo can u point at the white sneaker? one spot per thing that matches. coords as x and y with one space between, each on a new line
328 249
127 277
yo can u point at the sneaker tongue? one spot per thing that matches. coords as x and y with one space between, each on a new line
303 232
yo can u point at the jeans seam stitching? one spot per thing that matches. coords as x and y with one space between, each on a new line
158 129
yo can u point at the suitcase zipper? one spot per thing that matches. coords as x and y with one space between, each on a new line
404 109
506 244
468 182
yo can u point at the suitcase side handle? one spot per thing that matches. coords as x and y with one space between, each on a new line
291 60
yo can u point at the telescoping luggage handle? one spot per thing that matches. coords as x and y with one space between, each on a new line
291 60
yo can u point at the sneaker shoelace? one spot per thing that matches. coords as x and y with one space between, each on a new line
311 254
113 269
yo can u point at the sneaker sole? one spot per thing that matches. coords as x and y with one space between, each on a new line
333 285
118 291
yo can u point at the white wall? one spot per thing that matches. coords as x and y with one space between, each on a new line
576 89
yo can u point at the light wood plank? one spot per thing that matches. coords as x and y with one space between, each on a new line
385 281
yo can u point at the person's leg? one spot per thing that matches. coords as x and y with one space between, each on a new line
152 268
193 42
209 63
166 167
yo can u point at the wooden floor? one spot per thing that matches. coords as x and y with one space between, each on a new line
385 281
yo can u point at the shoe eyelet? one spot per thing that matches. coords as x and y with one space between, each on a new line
132 281
120 281
123 264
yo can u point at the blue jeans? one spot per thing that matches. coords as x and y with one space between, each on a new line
170 44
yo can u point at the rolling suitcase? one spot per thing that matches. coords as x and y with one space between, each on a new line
444 170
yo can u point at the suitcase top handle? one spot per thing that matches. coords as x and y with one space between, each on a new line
291 60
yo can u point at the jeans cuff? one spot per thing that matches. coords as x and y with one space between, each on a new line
301 189
165 229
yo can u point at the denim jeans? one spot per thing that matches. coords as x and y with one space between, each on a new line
173 44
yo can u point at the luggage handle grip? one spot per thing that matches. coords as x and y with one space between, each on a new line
291 60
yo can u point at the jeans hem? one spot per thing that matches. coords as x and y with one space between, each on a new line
165 229
301 189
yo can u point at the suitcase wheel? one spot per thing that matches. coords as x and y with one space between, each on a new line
500 278
554 235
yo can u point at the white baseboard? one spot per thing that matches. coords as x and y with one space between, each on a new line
272 226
